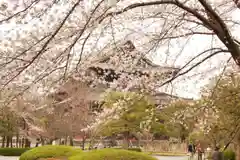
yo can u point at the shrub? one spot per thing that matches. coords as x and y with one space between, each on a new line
49 151
135 149
112 154
132 149
12 151
229 155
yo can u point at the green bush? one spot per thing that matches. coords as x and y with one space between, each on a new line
132 149
112 154
135 149
12 151
49 151
229 155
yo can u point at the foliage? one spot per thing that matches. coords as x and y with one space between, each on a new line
135 149
222 97
124 112
112 154
9 122
179 118
229 154
12 151
132 149
49 151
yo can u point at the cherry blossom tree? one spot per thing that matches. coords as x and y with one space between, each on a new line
215 116
223 98
46 41
126 114
66 112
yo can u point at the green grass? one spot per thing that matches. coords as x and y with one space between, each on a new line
50 151
112 154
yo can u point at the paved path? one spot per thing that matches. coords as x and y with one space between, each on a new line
172 158
8 158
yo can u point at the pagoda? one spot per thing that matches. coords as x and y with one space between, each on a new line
109 66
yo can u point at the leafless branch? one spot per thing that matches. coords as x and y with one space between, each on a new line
194 66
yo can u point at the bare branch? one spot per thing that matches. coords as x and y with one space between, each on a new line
194 66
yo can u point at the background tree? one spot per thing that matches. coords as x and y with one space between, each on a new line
223 97
126 113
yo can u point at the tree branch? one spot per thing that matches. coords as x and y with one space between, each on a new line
194 66
39 53
18 13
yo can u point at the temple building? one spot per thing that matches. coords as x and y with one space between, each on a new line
108 67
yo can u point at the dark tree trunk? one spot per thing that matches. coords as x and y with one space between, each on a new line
37 142
71 141
27 143
66 140
126 140
8 142
23 142
3 141
20 143
50 141
11 142
17 140
83 142
42 141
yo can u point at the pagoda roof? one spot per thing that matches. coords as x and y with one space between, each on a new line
103 61
128 49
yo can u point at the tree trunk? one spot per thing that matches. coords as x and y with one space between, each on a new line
23 142
20 143
17 140
27 143
71 141
3 141
126 140
11 142
83 142
66 140
50 142
8 142
37 142
42 141
238 150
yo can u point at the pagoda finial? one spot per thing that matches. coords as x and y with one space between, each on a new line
128 45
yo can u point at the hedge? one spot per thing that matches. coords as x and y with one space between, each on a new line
50 151
112 154
229 155
135 149
132 149
12 151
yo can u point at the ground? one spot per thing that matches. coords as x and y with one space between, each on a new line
8 158
160 157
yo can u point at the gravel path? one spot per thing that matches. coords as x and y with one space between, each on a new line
172 158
